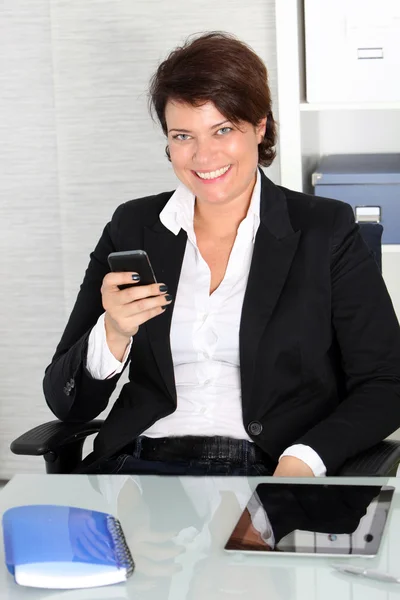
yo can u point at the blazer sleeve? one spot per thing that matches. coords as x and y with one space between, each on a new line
71 393
368 335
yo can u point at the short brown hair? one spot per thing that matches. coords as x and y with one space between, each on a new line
217 67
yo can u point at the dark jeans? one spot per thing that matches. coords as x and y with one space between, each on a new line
189 455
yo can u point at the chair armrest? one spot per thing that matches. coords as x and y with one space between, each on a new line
49 437
380 460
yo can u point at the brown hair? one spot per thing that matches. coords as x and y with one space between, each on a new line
217 67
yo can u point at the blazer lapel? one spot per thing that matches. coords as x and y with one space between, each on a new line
166 251
274 249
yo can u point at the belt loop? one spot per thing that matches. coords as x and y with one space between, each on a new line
137 449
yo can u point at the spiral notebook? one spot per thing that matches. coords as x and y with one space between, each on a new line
63 547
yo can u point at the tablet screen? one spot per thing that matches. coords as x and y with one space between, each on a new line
313 519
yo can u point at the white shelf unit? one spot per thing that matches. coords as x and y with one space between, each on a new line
309 130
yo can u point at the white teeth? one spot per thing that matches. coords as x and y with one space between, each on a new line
213 174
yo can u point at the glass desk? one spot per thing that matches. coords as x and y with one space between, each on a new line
177 528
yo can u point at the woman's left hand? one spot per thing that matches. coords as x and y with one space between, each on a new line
290 466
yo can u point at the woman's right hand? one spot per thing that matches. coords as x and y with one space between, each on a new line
129 308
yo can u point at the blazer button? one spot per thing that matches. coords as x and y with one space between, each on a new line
255 428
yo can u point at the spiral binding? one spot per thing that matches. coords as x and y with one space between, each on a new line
123 554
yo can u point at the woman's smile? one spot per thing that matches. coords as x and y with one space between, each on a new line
213 176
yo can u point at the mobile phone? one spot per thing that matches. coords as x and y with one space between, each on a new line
136 261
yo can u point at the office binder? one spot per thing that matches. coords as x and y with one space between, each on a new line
64 547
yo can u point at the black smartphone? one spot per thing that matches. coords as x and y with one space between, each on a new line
133 260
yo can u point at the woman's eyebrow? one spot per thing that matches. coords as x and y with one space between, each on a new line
219 124
188 131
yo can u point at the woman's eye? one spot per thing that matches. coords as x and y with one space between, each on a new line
224 130
181 136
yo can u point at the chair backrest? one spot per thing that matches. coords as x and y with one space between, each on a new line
372 235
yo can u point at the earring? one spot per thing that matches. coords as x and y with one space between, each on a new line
167 152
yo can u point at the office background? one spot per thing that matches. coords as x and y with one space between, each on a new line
76 141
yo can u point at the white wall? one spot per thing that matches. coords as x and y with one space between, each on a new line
356 131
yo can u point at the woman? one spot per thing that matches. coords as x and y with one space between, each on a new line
271 344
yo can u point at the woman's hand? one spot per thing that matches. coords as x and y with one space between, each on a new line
128 308
290 466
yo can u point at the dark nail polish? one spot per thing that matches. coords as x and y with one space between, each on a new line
168 297
136 277
163 288
164 307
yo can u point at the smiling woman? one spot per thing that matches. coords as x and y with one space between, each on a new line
270 335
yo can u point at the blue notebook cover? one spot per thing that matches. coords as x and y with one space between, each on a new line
64 547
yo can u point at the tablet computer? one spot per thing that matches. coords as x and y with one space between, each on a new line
313 520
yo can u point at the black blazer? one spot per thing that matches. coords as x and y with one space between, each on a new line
319 339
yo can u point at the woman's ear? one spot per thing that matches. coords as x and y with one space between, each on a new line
261 128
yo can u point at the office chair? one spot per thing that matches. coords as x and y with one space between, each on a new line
61 444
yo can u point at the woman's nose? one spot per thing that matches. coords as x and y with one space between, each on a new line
204 151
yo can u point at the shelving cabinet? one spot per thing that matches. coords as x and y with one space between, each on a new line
308 131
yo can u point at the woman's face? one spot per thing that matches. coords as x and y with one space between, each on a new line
210 155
